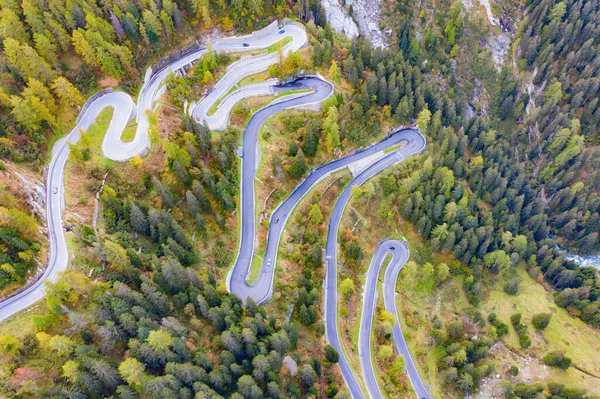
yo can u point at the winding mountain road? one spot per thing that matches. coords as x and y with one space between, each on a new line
115 149
371 161
400 254
415 143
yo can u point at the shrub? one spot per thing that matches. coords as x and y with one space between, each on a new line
501 327
527 391
541 320
331 354
513 370
524 340
512 287
557 359
515 319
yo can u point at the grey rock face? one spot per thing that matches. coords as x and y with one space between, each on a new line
339 19
367 14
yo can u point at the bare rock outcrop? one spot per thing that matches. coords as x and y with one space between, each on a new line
367 14
339 19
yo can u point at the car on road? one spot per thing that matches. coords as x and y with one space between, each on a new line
246 44
282 31
276 220
392 248
54 190
269 262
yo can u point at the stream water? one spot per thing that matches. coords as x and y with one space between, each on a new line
584 261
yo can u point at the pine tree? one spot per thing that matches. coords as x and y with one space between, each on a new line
182 174
204 137
46 48
12 27
202 198
310 140
175 275
130 27
33 15
331 129
165 195
137 219
298 166
132 371
193 203
308 376
68 94
332 139
38 90
152 24
382 92
56 29
84 48
27 60
108 63
167 23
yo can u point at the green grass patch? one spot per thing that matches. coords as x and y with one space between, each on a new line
394 147
255 268
579 341
259 77
290 92
95 135
21 323
273 47
129 133
214 107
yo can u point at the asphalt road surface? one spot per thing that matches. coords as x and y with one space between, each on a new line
245 67
415 143
58 259
399 255
389 302
262 289
115 149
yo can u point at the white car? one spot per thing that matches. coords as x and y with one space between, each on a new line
269 262
54 190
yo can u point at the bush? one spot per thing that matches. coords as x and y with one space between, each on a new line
512 287
557 359
44 322
526 391
515 319
331 354
524 340
541 320
513 370
501 327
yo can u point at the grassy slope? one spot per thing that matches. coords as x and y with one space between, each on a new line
22 323
578 340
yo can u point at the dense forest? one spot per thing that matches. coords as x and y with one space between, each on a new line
55 51
507 177
19 240
158 323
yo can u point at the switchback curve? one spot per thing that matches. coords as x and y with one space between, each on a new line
415 143
400 254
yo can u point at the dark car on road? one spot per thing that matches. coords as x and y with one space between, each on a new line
246 44
282 31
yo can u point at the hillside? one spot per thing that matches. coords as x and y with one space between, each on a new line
507 185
